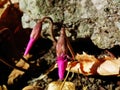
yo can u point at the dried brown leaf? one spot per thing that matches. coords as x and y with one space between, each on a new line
2 3
32 88
87 62
90 65
109 67
3 87
11 16
56 86
15 73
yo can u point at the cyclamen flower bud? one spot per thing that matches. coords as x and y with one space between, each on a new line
61 51
33 36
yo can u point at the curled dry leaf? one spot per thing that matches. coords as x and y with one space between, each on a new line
32 88
3 87
85 64
90 65
57 84
109 67
15 73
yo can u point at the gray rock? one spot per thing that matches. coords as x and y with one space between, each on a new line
96 19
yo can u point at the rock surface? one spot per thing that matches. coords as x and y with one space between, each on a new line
95 19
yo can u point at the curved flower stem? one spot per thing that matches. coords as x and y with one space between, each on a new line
70 48
51 29
11 66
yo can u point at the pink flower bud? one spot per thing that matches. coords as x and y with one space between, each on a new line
61 52
33 36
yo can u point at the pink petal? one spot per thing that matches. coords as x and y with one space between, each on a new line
62 64
29 46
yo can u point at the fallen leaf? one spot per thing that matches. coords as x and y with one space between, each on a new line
91 65
3 87
32 88
109 67
15 73
56 86
87 62
2 3
11 16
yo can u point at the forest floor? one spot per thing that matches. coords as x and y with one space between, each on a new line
12 47
43 57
